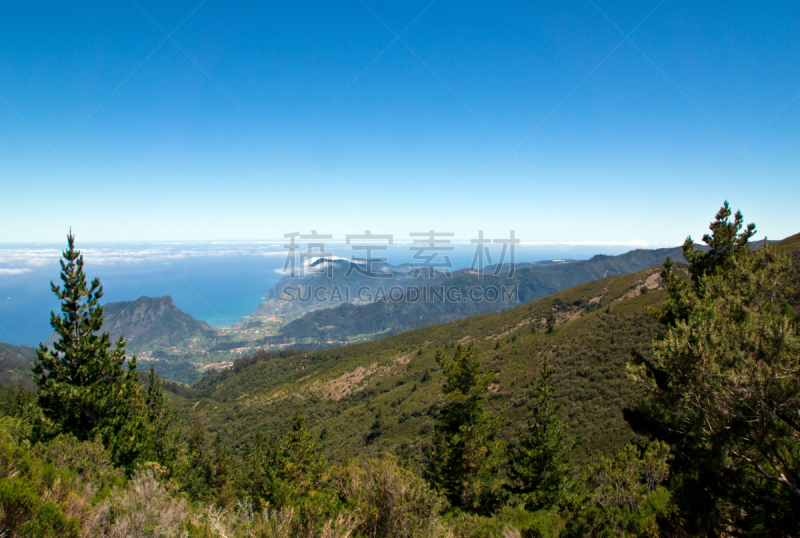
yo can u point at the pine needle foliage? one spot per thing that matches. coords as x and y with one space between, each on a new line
464 460
166 442
725 383
624 496
539 466
82 385
727 242
301 463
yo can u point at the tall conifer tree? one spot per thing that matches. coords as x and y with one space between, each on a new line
82 385
166 443
724 385
539 466
301 464
464 460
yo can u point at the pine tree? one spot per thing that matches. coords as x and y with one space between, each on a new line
23 402
301 464
726 241
724 386
166 444
376 430
82 387
222 478
539 464
198 476
624 496
261 473
464 460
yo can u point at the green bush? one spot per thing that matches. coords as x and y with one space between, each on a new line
509 522
390 501
90 460
25 514
624 496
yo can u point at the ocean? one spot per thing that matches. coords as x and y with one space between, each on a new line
219 283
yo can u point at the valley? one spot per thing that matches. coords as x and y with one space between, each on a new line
182 348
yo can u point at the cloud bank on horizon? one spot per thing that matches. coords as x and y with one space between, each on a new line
17 260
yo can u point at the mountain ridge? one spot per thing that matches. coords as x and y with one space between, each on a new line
346 322
154 320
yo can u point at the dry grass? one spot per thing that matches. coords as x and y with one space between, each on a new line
143 509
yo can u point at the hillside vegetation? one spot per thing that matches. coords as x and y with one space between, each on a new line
15 365
394 382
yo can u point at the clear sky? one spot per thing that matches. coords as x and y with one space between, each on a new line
573 121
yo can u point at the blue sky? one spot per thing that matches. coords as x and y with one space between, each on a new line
251 121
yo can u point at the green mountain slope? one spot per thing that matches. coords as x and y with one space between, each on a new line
392 385
23 353
790 244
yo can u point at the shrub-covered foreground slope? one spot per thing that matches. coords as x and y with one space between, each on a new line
380 396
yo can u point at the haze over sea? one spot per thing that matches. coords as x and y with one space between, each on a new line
216 282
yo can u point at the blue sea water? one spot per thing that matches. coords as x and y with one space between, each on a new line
217 283
217 289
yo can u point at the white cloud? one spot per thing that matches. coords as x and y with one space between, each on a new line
124 254
14 271
306 265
